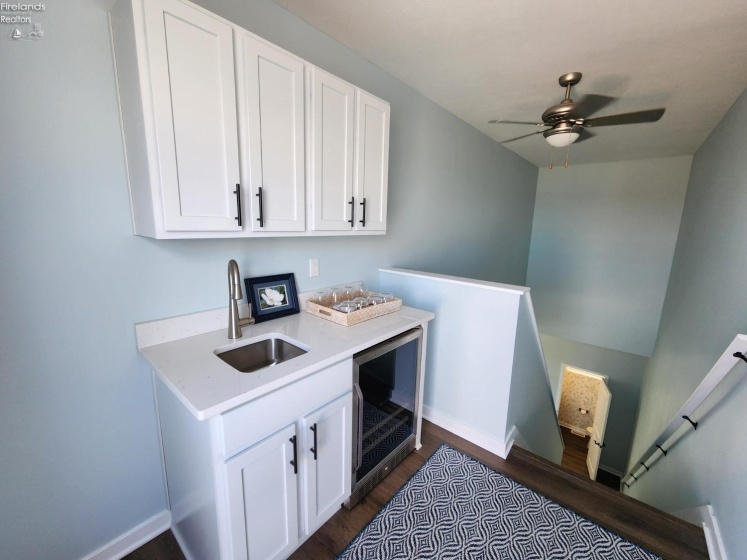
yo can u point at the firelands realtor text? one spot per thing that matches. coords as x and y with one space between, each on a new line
18 13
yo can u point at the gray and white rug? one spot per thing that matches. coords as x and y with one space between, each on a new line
456 507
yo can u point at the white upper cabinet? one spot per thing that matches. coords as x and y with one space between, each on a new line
273 114
332 145
223 131
350 156
190 149
371 161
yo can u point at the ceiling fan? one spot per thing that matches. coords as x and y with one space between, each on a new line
569 119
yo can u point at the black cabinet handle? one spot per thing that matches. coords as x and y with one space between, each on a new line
363 221
294 462
261 218
599 444
352 211
313 449
237 192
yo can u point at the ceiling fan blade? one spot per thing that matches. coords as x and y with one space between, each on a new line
651 115
501 121
590 104
520 137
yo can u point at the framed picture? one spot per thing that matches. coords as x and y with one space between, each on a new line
272 296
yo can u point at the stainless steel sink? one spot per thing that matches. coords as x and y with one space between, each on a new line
261 354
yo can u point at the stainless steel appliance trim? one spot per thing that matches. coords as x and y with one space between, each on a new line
362 358
359 433
388 463
389 345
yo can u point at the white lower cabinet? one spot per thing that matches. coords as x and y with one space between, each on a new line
305 467
328 461
255 482
263 498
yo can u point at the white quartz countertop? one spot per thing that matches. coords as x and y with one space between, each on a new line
208 386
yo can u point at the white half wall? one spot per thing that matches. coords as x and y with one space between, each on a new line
470 355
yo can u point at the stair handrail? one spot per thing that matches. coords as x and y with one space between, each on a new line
733 355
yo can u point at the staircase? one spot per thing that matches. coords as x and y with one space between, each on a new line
650 528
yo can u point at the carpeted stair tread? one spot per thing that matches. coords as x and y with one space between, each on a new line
653 529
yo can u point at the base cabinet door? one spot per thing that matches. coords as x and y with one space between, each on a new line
263 498
328 460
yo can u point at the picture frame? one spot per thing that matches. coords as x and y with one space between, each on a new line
272 297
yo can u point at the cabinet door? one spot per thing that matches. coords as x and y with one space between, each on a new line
328 460
273 98
263 499
332 143
194 101
371 162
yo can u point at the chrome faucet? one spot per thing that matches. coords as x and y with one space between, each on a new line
234 295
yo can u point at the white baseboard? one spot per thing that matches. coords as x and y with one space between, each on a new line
487 442
513 435
706 518
181 542
133 539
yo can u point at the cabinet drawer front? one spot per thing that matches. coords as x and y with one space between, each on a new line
252 421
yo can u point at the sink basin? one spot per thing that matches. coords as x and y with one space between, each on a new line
261 354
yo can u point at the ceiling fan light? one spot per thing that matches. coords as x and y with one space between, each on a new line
562 139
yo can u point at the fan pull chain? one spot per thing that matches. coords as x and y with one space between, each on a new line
568 150
552 151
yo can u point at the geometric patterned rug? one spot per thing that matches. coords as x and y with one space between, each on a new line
455 507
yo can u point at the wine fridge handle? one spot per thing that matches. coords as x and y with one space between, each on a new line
359 451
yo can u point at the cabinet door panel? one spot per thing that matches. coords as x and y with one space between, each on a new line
275 112
371 161
328 476
333 106
194 97
263 499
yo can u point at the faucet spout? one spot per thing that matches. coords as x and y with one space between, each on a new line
234 281
235 322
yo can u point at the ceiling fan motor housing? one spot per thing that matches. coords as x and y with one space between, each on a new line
560 112
563 110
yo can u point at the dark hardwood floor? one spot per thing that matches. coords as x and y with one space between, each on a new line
574 459
163 547
574 454
652 529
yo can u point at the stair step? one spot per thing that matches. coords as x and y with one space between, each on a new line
655 530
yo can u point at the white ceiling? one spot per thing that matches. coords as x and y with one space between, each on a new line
500 59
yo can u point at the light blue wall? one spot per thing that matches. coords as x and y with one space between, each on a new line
602 245
79 450
625 373
704 310
530 406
